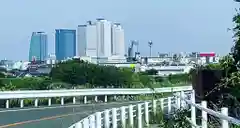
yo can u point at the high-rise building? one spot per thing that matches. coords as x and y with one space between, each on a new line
81 40
91 36
118 44
65 44
87 39
100 39
38 46
103 38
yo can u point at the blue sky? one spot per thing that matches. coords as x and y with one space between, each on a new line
172 25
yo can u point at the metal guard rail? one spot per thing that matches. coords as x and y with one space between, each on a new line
86 92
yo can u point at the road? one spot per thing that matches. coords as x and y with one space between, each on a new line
51 117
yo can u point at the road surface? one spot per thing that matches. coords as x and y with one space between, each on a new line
51 117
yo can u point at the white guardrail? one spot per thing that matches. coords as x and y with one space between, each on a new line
126 116
37 94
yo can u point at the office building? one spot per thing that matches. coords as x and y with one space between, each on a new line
118 44
100 39
104 43
87 39
81 40
91 39
65 44
38 47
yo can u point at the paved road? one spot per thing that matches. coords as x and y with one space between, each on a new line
51 117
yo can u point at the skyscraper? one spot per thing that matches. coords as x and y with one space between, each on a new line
81 40
100 39
65 44
103 38
87 40
118 44
38 46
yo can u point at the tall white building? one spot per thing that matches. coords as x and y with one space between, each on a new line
91 39
118 44
100 39
81 40
87 40
104 37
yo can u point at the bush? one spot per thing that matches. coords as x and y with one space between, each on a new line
176 78
152 72
36 83
159 79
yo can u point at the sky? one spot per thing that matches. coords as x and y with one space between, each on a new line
172 25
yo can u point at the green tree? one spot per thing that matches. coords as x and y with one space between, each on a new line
235 51
226 93
2 75
152 72
82 73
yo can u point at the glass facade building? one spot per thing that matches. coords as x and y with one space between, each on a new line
65 44
38 46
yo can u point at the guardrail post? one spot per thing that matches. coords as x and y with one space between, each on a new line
123 118
96 99
204 115
92 121
7 103
146 113
86 123
105 98
98 119
106 118
139 115
182 95
78 125
169 105
178 100
21 103
49 101
162 103
85 99
74 100
130 112
114 118
193 109
224 111
154 107
62 100
36 103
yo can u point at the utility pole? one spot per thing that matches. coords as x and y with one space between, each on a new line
150 43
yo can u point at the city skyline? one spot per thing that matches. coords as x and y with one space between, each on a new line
172 26
101 38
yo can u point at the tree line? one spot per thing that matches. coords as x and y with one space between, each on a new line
81 74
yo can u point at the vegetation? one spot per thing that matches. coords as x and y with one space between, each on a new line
229 87
80 74
176 120
226 93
